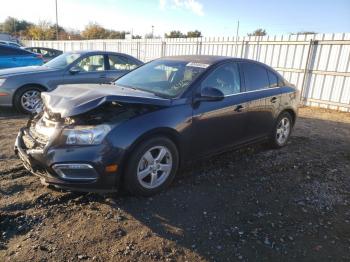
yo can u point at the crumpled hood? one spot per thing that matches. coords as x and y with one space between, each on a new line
70 100
25 70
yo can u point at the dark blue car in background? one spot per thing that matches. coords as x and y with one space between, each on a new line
17 57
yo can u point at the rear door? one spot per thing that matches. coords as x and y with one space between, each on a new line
6 60
264 99
92 69
15 57
119 65
219 125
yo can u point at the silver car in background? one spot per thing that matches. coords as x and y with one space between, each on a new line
21 87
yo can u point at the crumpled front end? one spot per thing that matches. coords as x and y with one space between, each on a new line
43 151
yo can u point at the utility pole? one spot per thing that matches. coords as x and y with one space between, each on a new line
152 31
56 21
14 26
237 39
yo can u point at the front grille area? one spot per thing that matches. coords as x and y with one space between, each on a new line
39 133
40 138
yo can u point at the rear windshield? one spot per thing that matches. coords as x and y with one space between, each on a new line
167 78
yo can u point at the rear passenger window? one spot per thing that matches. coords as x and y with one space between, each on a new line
121 63
273 79
255 77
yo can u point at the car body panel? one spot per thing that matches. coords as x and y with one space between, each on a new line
16 57
227 122
261 111
83 98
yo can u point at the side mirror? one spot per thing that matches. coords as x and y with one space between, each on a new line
210 94
74 70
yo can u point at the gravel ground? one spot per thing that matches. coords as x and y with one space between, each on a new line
250 205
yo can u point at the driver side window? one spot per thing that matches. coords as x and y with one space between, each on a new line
91 64
225 78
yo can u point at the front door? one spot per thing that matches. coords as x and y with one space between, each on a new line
91 70
218 125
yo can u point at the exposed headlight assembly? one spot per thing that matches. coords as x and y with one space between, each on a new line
86 135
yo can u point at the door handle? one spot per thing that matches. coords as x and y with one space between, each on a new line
273 100
239 108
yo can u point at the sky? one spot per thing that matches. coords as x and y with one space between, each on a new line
212 18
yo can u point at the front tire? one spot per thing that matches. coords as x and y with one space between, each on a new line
27 99
151 167
282 131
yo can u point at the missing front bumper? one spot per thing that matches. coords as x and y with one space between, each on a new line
65 168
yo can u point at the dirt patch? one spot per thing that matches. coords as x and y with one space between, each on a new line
254 204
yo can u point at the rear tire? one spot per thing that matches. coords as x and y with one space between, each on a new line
26 99
151 167
282 130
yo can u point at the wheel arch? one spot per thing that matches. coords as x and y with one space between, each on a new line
44 88
292 113
162 131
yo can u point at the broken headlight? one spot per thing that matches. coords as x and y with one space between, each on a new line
85 135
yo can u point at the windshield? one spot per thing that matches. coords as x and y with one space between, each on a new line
167 78
62 60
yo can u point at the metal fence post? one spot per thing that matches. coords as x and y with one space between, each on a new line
138 51
242 48
199 47
308 70
163 48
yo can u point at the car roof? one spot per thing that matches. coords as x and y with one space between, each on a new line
44 48
4 42
94 51
212 59
207 59
84 52
12 47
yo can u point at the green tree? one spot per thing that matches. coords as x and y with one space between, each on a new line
112 34
258 32
42 31
94 31
15 27
195 33
136 37
304 33
175 34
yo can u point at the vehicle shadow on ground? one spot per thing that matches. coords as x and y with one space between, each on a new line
238 205
200 210
10 112
217 204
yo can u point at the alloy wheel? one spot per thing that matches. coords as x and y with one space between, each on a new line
154 167
283 131
31 100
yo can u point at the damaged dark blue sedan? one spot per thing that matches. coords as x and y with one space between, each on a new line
137 132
